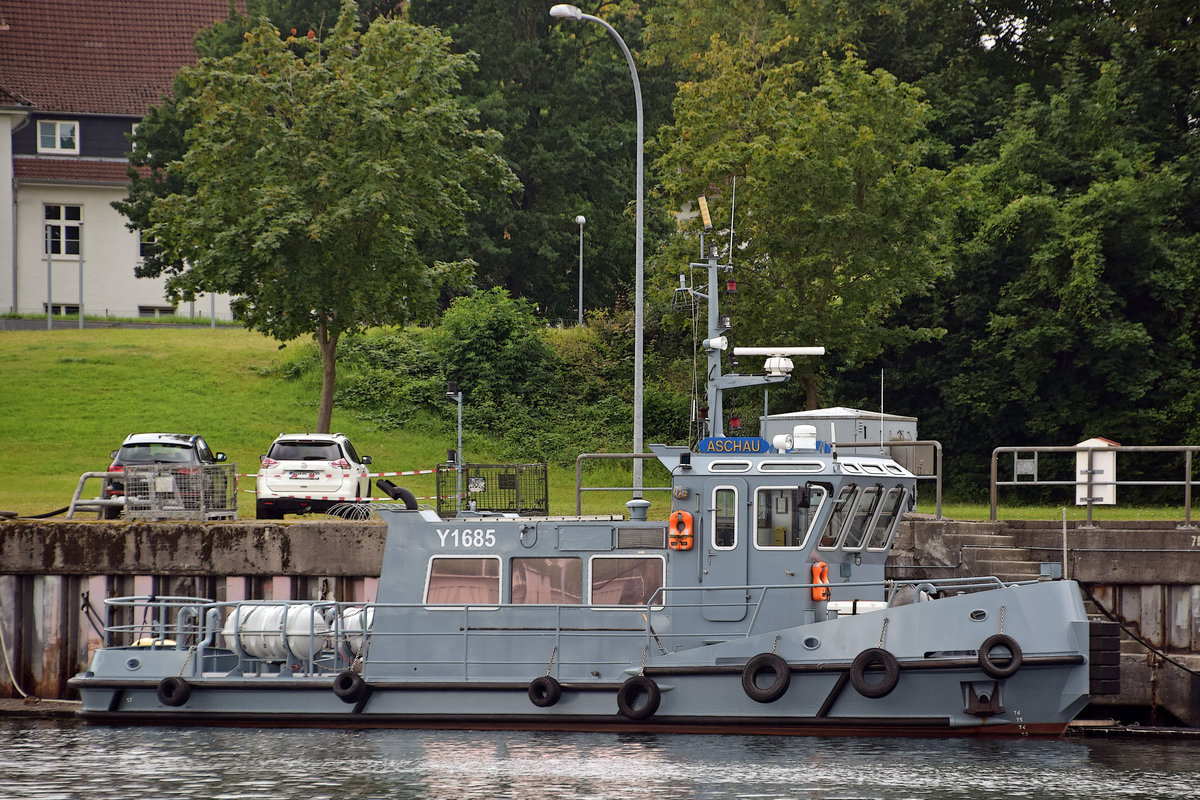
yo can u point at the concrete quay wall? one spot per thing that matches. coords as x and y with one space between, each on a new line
55 574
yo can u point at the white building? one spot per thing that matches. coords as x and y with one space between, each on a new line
76 76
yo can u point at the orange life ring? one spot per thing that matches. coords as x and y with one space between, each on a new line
681 537
820 579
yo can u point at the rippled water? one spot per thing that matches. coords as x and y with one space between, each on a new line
44 760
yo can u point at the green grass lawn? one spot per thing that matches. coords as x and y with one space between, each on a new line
70 397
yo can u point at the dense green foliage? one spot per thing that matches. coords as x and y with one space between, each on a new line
1074 246
996 203
539 395
562 97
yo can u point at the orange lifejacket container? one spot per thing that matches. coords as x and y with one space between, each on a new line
680 536
820 579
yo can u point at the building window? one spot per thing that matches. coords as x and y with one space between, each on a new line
63 226
57 136
147 246
63 310
156 311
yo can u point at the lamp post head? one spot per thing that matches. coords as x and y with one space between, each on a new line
580 220
565 11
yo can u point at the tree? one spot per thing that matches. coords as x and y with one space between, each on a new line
319 166
159 139
837 218
562 98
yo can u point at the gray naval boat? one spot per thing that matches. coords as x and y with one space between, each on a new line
757 604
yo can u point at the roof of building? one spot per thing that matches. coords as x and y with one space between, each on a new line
84 57
71 170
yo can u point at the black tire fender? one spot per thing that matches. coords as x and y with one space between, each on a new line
756 667
990 666
173 691
872 657
544 691
350 687
631 691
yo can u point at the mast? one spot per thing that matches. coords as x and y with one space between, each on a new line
778 365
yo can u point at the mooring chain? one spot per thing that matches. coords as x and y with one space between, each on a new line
1002 609
550 666
186 660
774 644
883 632
645 655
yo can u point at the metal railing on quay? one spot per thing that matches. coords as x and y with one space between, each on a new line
580 488
1090 483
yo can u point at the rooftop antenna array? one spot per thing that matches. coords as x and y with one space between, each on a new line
778 363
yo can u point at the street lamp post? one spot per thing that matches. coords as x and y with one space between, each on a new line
564 11
580 220
455 394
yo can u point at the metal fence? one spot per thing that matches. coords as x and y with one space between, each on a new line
192 492
507 488
1088 480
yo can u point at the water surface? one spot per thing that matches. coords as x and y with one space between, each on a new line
41 760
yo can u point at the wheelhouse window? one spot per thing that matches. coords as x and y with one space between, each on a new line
554 581
864 513
625 580
724 511
890 512
58 136
63 228
463 581
784 516
838 516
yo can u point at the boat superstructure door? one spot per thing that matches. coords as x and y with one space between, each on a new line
725 540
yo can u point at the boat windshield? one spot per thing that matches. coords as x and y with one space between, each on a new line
784 518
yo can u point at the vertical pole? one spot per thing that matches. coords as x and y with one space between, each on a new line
716 410
1064 543
81 276
580 220
212 310
1187 489
564 11
1090 471
49 299
458 461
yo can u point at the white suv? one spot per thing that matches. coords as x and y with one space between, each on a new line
305 472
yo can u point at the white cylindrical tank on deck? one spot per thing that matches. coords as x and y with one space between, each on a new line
270 632
355 623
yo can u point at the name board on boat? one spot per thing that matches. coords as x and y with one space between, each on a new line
734 444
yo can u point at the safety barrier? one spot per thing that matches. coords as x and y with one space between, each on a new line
1092 480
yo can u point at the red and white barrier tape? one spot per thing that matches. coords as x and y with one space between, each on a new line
369 474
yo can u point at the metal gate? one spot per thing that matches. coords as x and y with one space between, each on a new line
507 488
193 492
